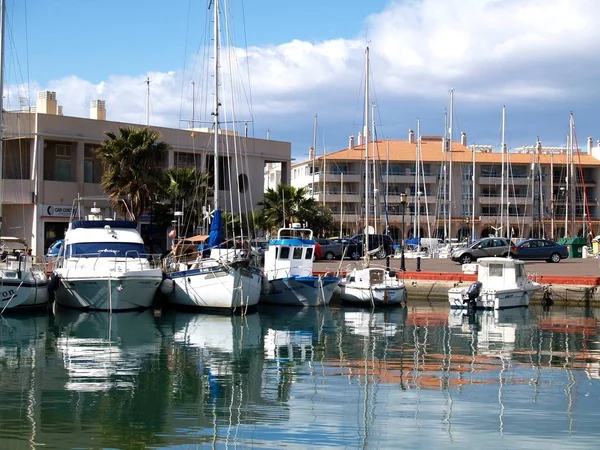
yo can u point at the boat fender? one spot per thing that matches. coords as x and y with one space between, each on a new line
54 282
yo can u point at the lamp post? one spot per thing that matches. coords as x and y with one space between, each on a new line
402 261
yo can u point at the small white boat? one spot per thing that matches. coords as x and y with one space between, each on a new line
103 266
501 283
375 286
23 285
288 270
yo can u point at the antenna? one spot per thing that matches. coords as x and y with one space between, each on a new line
147 101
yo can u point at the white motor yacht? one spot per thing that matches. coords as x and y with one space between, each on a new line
103 265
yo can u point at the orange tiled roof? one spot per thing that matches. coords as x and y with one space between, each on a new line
431 151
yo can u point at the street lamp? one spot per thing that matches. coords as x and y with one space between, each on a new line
402 261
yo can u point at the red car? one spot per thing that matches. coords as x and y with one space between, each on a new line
318 252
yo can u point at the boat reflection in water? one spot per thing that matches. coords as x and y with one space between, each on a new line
290 377
22 348
367 322
103 351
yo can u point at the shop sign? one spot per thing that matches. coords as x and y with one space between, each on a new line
58 210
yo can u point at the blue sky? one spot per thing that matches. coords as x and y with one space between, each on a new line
536 56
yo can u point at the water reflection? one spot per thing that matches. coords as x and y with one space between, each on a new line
300 377
103 351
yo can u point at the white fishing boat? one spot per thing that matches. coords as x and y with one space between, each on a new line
22 284
103 265
288 270
501 283
373 286
214 283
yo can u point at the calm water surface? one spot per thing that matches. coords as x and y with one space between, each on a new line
333 377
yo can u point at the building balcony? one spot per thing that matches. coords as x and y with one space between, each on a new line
407 179
497 200
496 181
333 177
337 197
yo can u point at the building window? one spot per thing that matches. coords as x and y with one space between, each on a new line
63 170
92 169
242 182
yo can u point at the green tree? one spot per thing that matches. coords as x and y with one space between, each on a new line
185 189
321 222
133 163
285 204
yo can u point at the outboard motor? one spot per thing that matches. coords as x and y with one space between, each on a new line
472 294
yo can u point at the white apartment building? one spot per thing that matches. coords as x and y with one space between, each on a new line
49 160
535 200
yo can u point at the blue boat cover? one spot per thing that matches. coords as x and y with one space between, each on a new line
102 223
412 241
216 229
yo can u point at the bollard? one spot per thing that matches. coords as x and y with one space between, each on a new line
418 263
402 262
387 263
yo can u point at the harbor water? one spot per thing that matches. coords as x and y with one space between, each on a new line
422 377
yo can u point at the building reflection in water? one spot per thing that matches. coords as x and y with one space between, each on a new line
291 376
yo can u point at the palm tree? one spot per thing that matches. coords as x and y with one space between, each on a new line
286 204
186 189
133 162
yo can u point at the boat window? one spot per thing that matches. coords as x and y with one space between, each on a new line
519 270
495 270
285 253
309 253
106 250
297 253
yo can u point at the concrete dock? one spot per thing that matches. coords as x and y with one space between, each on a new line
571 281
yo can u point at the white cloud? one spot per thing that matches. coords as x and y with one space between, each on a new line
528 52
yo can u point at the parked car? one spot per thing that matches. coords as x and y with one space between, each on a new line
542 249
382 243
330 249
350 249
481 248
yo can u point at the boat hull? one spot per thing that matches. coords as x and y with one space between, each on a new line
223 288
28 290
83 289
512 298
301 291
378 295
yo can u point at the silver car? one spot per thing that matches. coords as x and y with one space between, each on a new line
481 248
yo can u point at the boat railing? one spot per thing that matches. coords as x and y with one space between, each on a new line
133 260
22 262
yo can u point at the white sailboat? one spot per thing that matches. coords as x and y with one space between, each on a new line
103 264
214 283
22 284
371 285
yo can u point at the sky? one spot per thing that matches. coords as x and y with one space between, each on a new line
294 60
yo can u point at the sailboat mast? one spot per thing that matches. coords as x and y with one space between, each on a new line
2 19
503 150
552 198
366 135
418 187
216 103
375 185
473 197
314 151
450 150
445 176
572 173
